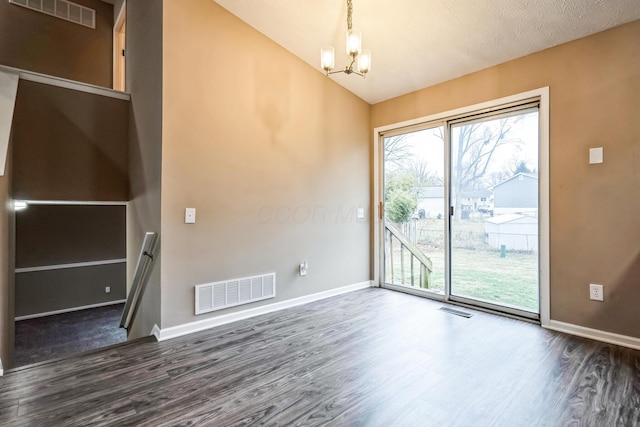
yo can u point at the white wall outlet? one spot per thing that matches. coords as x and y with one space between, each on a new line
303 268
596 292
107 289
190 215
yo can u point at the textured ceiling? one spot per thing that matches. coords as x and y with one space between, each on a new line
419 43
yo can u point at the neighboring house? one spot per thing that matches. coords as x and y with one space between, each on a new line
431 202
474 201
518 194
516 232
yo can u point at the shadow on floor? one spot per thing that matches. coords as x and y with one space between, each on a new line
61 335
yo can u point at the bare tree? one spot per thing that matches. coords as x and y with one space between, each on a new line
474 146
496 178
397 151
515 165
424 176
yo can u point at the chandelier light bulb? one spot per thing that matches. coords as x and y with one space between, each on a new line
354 42
364 61
327 58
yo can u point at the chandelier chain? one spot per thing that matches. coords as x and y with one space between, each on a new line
349 13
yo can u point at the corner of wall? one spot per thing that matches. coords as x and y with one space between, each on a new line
156 332
144 82
7 262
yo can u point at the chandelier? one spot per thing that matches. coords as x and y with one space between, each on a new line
360 60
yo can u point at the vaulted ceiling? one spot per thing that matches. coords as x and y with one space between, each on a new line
419 43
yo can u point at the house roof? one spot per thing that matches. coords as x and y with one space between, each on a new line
501 219
528 175
431 193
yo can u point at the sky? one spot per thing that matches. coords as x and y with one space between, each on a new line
425 144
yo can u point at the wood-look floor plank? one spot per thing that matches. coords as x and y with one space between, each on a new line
309 355
367 358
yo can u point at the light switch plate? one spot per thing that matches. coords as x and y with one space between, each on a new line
596 156
190 215
360 213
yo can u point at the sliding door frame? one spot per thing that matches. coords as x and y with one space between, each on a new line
379 133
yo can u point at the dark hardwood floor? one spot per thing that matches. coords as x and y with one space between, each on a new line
367 358
62 335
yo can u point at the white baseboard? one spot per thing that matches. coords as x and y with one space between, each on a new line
594 334
200 325
69 310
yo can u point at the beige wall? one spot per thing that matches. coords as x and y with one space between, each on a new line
274 156
595 222
144 80
38 42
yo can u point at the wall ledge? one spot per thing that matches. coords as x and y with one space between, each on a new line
66 83
201 325
594 334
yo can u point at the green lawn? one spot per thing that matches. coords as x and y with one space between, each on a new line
478 271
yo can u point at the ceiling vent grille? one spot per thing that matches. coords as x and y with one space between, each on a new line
62 9
229 293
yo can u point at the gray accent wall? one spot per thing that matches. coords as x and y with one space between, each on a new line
69 145
54 235
144 81
64 234
51 290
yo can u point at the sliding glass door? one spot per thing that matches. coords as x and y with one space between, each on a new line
494 218
461 209
415 211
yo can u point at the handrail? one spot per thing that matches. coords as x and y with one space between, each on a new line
140 278
426 266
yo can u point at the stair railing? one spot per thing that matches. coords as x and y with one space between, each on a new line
414 257
140 278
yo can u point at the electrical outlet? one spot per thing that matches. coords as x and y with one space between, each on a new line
107 289
596 292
